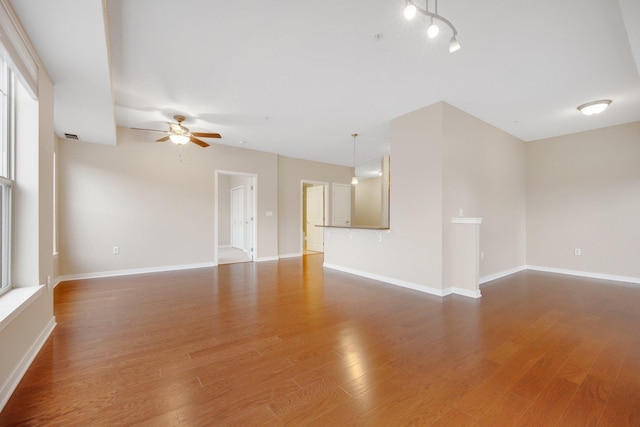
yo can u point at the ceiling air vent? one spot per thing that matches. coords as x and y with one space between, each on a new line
71 136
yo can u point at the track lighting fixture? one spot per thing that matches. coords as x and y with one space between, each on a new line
411 10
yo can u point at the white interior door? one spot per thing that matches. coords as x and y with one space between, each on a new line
341 205
237 218
315 216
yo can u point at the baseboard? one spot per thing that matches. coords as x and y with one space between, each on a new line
501 274
267 258
115 273
296 255
463 292
14 379
391 281
626 279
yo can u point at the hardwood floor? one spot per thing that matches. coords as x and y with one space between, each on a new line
288 343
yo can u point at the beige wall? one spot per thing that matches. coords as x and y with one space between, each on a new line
411 254
583 191
155 201
367 209
291 173
484 175
443 160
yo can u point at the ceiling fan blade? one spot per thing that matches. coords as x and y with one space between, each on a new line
163 139
150 130
199 142
206 135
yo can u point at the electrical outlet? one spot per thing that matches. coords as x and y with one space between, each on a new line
49 282
577 251
481 255
116 250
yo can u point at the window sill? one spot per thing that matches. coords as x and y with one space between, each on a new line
15 301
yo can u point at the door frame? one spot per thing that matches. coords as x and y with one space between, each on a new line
254 212
304 182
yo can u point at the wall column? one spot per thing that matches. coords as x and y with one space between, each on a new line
465 259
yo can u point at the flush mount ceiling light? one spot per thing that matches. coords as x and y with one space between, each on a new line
594 107
354 180
410 12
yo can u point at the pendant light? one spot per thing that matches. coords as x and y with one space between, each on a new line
354 180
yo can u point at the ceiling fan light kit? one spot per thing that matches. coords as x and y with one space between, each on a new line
411 10
179 139
180 134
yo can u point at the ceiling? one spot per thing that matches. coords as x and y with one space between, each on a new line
297 78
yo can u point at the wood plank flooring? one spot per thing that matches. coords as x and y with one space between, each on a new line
290 344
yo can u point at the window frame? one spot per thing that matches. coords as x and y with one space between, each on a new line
7 143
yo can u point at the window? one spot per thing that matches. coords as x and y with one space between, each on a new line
6 171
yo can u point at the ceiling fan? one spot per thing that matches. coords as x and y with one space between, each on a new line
179 134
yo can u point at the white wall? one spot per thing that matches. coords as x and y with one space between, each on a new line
26 198
583 191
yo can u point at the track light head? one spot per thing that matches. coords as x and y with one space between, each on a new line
410 12
454 45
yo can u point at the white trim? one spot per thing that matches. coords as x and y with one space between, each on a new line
115 273
22 54
14 302
463 292
466 220
501 274
391 281
267 258
295 255
254 211
224 246
627 279
7 389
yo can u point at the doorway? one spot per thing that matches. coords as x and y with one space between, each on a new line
314 215
237 217
235 204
